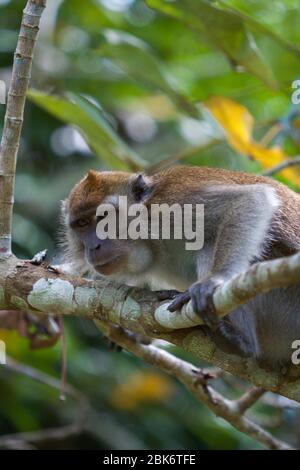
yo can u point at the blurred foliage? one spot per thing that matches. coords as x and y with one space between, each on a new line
125 84
238 123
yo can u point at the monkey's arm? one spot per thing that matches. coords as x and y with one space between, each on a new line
244 216
244 227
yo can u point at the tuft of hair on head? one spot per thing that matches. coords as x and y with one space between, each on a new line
92 175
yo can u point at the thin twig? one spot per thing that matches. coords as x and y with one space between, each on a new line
249 398
182 155
294 161
195 381
63 346
279 402
59 433
14 116
270 134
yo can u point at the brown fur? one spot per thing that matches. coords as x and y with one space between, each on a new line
93 187
179 185
259 227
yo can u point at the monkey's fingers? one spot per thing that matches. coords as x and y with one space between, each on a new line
202 302
166 294
179 301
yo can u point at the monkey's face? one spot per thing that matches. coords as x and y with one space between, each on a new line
108 255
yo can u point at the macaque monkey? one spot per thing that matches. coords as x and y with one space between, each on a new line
247 218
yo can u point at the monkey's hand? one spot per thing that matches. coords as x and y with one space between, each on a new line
201 295
167 294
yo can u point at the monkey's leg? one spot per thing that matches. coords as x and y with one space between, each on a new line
242 231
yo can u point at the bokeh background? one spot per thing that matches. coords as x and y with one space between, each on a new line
126 84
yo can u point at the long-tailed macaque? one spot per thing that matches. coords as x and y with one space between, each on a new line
247 218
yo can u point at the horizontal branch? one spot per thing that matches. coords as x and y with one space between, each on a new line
40 290
260 278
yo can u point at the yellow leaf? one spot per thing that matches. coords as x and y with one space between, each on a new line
141 387
267 157
237 124
236 121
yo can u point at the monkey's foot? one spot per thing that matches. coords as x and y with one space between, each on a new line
179 301
166 294
201 295
202 301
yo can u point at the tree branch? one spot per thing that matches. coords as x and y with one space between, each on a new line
249 398
290 162
56 434
197 383
14 116
40 289
260 278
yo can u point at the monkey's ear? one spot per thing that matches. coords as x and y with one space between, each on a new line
141 188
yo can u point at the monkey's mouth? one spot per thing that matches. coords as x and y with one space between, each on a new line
110 266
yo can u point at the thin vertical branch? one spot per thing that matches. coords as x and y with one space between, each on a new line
249 398
14 116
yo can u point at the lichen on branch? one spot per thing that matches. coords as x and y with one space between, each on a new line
41 289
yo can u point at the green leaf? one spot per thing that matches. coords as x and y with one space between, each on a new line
223 30
138 60
87 15
92 124
261 28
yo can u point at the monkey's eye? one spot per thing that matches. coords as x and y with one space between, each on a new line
82 222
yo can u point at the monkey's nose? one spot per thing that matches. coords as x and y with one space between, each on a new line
94 250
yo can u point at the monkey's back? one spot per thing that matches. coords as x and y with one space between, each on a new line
180 183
